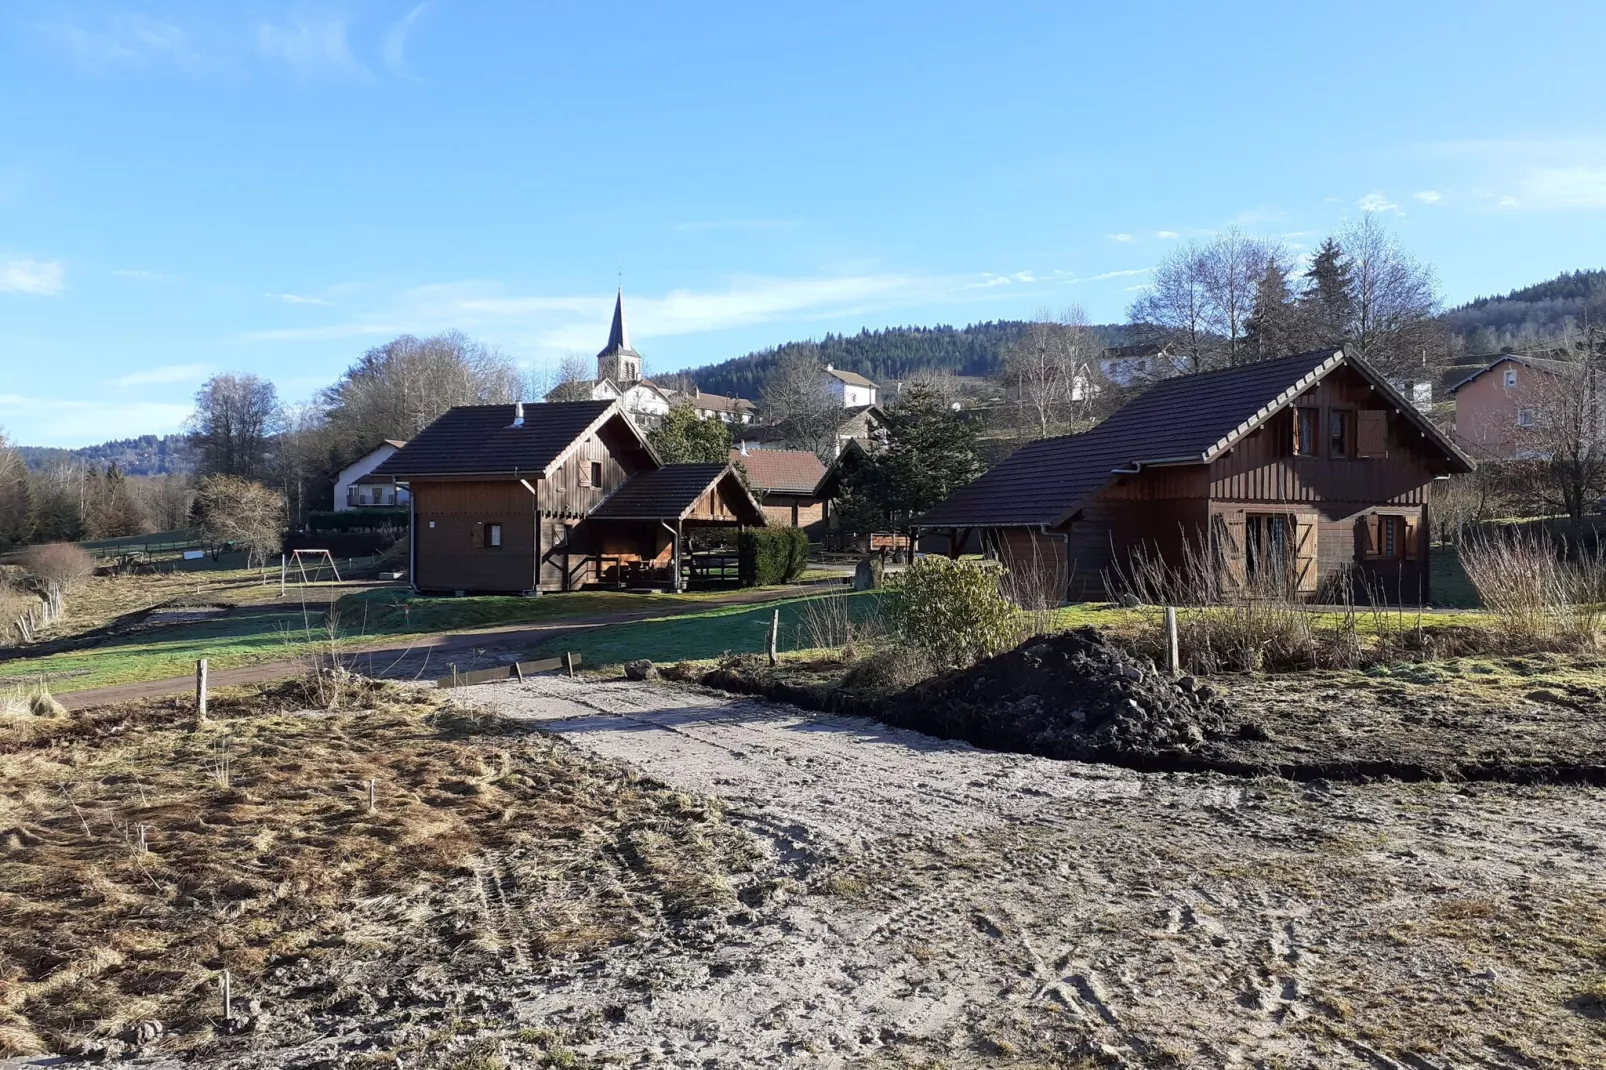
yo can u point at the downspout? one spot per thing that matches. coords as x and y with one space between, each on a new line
674 557
412 548
1065 555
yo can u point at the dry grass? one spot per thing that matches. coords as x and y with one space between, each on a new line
142 855
1542 596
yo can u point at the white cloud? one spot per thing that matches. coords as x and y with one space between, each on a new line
125 40
394 48
1120 237
564 322
171 373
1128 273
1139 286
32 276
299 299
1580 186
1429 196
1024 276
143 275
1506 202
1376 202
311 42
73 422
1167 235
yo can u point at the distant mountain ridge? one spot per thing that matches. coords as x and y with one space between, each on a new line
147 455
884 356
1529 314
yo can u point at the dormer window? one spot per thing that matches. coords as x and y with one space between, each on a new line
1511 378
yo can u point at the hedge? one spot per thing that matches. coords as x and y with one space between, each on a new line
358 520
771 555
341 543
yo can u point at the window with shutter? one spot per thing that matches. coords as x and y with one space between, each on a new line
477 536
1306 424
1412 535
1372 433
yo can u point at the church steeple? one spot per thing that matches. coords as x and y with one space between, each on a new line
618 361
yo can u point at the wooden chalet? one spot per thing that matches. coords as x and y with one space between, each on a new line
1296 470
554 497
789 481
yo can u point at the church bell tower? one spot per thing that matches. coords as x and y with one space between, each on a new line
618 361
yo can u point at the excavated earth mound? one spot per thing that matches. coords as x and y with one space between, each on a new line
1071 695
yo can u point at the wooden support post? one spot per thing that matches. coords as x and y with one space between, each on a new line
568 663
227 985
200 690
283 567
1173 656
775 632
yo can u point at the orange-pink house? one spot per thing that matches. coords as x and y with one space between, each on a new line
1496 404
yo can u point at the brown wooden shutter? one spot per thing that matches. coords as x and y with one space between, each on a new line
1411 533
1306 534
1366 533
477 539
1232 549
1373 433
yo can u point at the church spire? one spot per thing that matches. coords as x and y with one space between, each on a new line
617 338
618 361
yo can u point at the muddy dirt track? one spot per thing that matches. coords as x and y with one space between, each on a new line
917 902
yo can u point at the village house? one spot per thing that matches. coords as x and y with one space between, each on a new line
1498 405
555 497
790 482
351 493
1295 471
851 390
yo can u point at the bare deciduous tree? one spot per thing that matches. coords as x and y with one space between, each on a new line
1393 298
797 400
242 512
232 428
15 522
571 381
398 389
1561 436
1050 372
1202 298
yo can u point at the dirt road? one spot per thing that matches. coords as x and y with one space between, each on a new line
927 901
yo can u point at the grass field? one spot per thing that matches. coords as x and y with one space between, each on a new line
251 634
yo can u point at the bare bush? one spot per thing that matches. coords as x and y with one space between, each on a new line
1540 595
1225 625
63 565
29 700
830 623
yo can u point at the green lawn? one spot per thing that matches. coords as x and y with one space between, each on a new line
249 635
1448 581
709 634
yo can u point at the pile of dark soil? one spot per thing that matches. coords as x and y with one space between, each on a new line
1068 696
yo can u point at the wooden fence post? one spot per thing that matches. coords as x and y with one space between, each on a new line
1173 656
775 632
282 570
200 690
370 795
568 663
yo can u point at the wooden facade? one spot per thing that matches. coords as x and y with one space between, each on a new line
1333 487
537 533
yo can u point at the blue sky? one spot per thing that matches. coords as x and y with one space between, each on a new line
187 188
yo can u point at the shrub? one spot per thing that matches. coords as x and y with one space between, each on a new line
59 565
771 555
953 612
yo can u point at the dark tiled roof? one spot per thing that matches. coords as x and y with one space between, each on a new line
477 440
668 493
782 471
1180 419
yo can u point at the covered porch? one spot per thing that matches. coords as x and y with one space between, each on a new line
645 535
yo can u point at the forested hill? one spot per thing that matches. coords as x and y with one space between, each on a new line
882 356
147 455
1532 313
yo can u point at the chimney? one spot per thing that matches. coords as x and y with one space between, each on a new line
518 414
829 368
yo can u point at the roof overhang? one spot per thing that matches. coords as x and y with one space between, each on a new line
613 409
